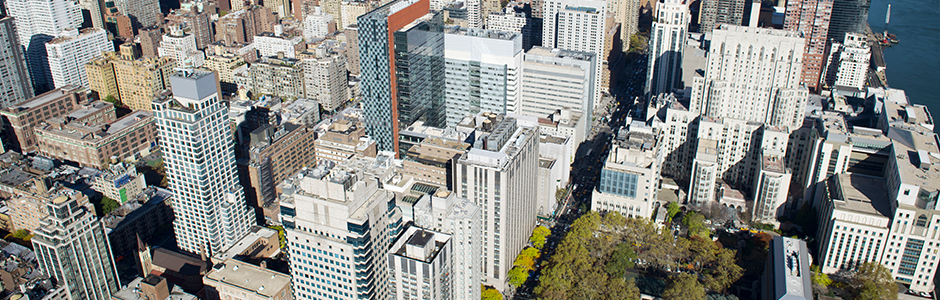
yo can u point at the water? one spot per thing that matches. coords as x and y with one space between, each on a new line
913 65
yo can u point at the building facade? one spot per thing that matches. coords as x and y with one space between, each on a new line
459 218
70 229
200 164
325 80
96 144
38 22
666 47
810 18
577 25
482 72
71 50
20 119
431 255
16 86
278 76
557 79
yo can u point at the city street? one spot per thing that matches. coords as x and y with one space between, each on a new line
589 160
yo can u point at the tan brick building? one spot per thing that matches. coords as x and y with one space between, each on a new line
277 152
132 79
431 161
19 119
93 145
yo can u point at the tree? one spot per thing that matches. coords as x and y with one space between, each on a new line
21 237
524 262
819 278
721 271
491 294
560 192
112 100
619 288
872 281
684 287
695 222
622 259
108 205
518 276
671 210
539 236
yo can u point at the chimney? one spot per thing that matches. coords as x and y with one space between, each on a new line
263 265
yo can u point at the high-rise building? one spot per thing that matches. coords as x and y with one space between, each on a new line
421 263
351 10
398 87
577 25
196 21
751 85
71 247
445 212
554 79
271 44
499 174
771 188
15 86
482 72
340 225
666 46
475 12
325 79
132 79
38 22
811 19
70 51
717 12
302 8
848 62
848 16
318 25
352 48
627 13
150 38
280 7
199 157
275 152
181 47
96 12
278 76
143 13
515 21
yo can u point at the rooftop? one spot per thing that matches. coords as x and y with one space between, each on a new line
132 291
256 280
560 53
772 162
860 194
790 262
43 99
490 34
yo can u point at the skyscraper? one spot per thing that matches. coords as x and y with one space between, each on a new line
577 25
37 22
666 46
394 96
199 157
715 12
482 72
499 174
71 50
568 75
848 16
143 13
811 19
340 225
754 86
445 212
71 247
15 87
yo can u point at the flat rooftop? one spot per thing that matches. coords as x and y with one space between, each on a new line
560 53
860 194
773 163
264 282
483 33
41 99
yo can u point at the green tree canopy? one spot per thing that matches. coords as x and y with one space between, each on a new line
108 205
695 222
621 260
539 236
491 294
820 278
518 276
671 210
684 287
872 281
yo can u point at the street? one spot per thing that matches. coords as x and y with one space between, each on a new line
590 157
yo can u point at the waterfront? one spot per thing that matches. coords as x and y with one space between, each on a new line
913 64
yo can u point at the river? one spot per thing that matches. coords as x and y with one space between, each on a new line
913 65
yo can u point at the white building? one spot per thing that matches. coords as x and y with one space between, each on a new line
325 79
554 79
786 274
475 12
340 226
499 174
351 10
39 21
704 177
772 184
849 62
511 20
71 50
199 157
317 25
181 46
270 44
420 263
461 219
855 216
577 25
757 86
482 72
72 248
120 182
630 178
666 47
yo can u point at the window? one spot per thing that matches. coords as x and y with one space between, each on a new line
921 221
